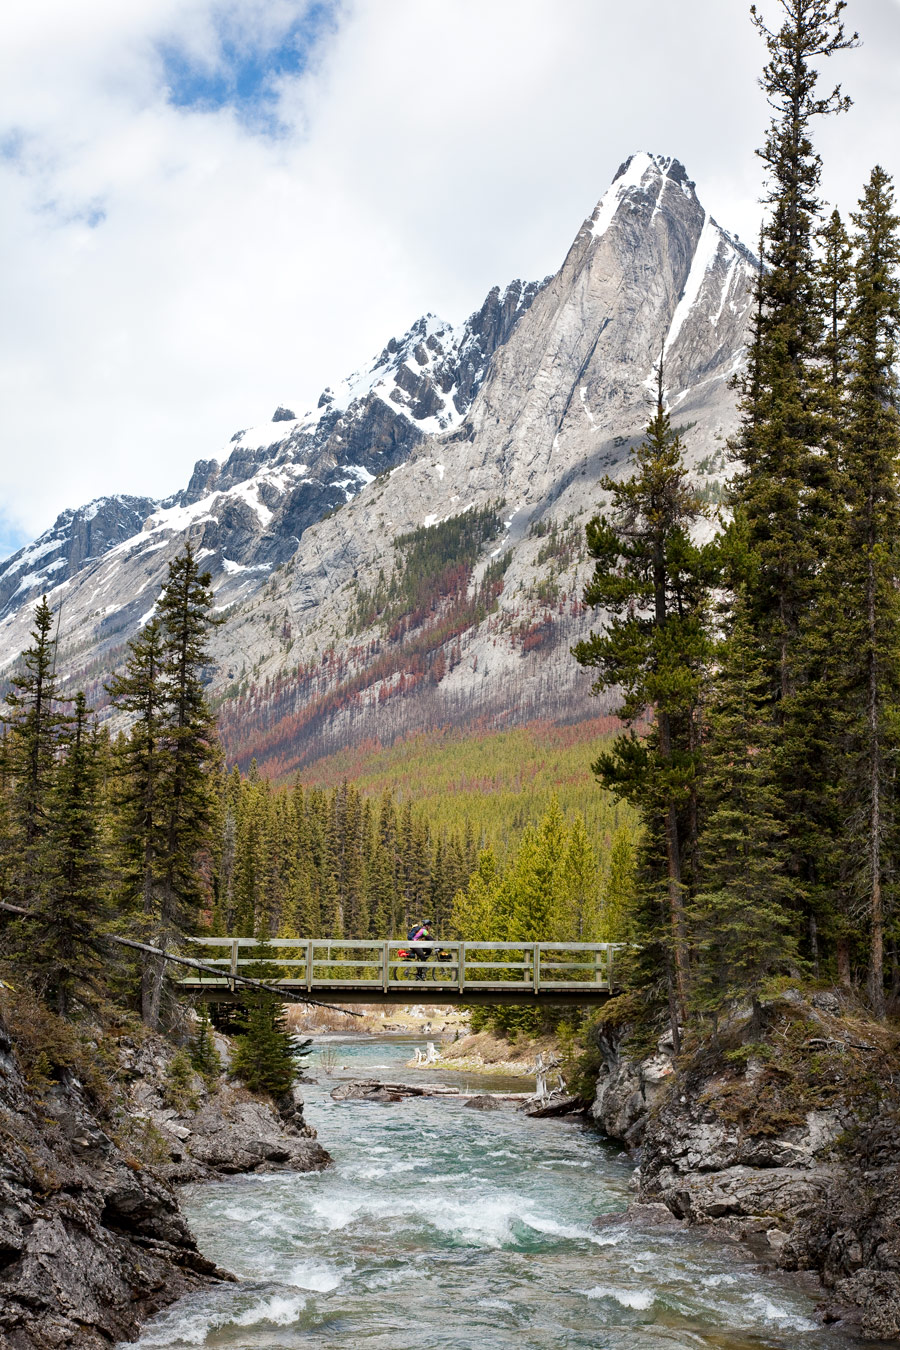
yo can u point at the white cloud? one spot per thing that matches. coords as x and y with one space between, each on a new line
430 149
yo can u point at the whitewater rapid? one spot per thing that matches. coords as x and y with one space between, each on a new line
442 1226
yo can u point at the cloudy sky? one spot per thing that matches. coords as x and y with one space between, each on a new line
214 206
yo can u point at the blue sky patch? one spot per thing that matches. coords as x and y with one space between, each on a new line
12 145
12 537
244 75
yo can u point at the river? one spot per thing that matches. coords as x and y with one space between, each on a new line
442 1226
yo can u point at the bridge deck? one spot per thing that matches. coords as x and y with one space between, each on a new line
353 971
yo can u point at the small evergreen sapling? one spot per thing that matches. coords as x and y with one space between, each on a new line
204 1055
266 1057
179 1085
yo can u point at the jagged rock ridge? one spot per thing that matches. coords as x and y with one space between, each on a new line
278 478
529 404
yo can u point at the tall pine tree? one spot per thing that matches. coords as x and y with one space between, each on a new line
33 718
872 579
65 947
169 780
776 489
140 691
653 580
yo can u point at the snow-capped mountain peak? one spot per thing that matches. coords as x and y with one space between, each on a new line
532 401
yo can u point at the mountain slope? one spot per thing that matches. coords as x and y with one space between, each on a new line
358 603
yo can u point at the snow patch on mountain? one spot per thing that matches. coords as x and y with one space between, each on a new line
704 257
634 176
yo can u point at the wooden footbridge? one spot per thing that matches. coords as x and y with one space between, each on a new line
345 971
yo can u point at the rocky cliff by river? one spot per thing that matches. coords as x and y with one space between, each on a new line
787 1140
92 1237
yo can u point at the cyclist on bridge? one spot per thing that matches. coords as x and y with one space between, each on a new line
421 932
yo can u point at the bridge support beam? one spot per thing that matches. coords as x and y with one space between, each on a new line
432 994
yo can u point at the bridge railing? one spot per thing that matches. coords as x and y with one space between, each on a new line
343 963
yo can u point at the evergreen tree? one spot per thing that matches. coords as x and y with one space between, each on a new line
653 580
814 713
65 947
140 691
7 836
353 875
476 910
185 614
33 719
204 1056
170 784
775 491
579 918
538 908
835 275
872 597
619 890
786 495
227 856
741 920
266 1056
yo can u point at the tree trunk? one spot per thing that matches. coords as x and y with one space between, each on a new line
814 944
674 1021
876 903
149 964
673 882
843 962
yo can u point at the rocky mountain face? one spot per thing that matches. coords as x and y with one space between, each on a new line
310 525
75 540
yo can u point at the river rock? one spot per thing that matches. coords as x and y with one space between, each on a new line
641 1216
485 1102
744 1192
235 1133
854 1239
221 1132
627 1090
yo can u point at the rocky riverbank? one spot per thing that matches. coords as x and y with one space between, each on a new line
786 1138
92 1240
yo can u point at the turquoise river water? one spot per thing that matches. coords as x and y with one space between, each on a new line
441 1226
